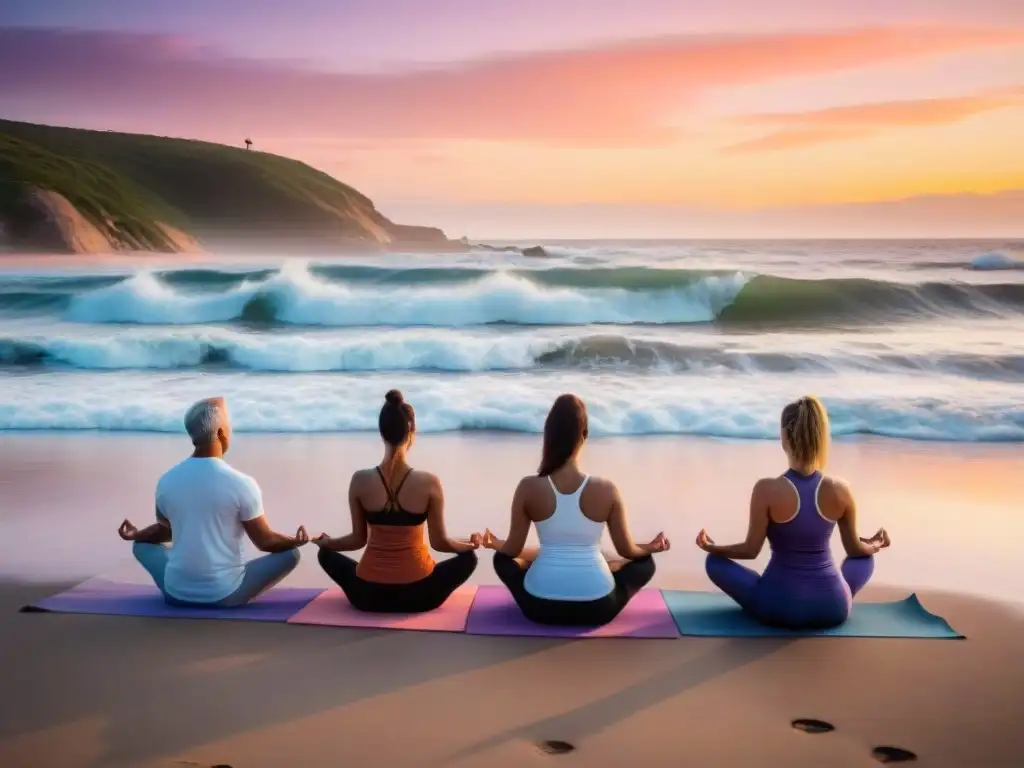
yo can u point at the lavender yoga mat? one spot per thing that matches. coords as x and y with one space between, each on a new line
331 609
99 596
494 612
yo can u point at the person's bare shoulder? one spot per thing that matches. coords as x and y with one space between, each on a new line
770 485
602 489
771 491
836 482
836 488
361 477
426 480
531 484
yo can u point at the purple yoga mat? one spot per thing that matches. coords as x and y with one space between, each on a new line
100 596
331 609
494 612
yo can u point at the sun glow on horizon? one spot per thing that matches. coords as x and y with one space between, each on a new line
864 106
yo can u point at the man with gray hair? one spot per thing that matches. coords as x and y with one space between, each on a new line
205 508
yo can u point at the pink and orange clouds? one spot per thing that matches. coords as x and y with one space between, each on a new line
804 129
620 122
617 95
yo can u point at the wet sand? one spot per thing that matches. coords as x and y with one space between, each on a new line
952 510
116 691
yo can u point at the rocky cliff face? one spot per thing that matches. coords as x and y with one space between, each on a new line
46 221
404 233
71 190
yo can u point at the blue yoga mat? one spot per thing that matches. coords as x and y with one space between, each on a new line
713 614
111 598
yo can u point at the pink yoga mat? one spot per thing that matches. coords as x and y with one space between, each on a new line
331 609
494 612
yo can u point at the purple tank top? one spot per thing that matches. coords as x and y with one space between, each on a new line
803 542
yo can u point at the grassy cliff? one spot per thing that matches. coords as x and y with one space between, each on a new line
151 193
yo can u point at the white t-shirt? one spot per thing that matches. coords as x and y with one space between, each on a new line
206 501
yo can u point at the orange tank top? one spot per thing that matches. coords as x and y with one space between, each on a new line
396 552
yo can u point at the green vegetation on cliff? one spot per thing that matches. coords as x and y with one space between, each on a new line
132 187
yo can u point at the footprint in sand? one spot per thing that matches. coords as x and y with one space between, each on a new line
555 747
886 754
810 725
893 755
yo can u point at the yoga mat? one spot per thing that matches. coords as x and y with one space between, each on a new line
100 596
494 612
712 614
331 609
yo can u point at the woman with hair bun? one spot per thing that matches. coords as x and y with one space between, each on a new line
390 505
801 588
568 581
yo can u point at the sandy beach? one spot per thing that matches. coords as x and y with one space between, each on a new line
952 509
111 691
723 228
114 691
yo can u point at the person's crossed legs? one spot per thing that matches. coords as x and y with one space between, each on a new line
152 557
630 578
857 572
421 596
737 581
741 583
261 574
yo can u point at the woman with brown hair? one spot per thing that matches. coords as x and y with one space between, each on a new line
797 512
390 504
568 581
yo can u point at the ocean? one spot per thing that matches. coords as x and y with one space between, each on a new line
911 339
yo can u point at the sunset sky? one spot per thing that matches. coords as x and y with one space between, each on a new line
559 118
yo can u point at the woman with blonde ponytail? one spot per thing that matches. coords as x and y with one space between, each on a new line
390 505
797 512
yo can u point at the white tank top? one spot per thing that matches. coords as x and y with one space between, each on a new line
570 565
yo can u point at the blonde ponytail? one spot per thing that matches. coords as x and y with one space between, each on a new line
805 423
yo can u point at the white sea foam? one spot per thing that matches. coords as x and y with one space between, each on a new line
295 296
297 350
745 407
287 353
652 350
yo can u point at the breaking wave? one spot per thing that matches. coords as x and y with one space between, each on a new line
351 296
449 351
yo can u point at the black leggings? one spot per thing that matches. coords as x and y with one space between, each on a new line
630 579
415 597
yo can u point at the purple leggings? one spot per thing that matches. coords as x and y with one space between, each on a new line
790 597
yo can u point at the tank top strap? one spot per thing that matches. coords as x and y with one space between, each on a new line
401 483
574 494
579 491
392 504
807 488
813 480
387 489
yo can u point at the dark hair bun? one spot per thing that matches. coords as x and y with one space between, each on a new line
394 397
